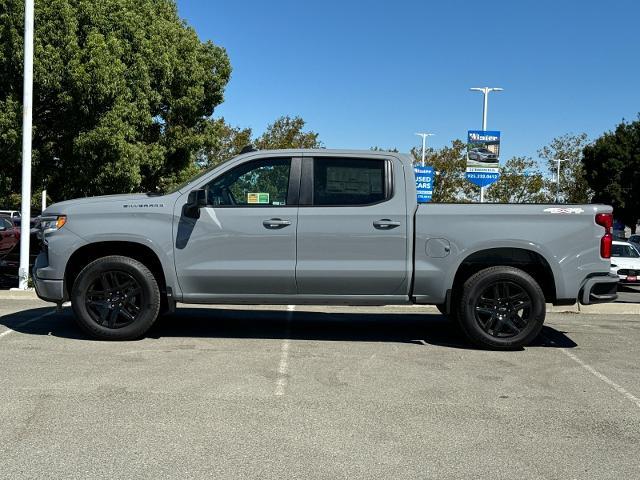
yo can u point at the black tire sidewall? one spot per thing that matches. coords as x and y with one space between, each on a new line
474 287
150 298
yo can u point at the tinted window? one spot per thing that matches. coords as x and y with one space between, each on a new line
624 251
259 183
6 223
348 181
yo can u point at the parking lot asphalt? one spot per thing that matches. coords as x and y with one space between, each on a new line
315 392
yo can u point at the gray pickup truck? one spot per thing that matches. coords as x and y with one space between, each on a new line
324 227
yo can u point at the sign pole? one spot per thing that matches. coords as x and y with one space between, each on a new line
485 108
559 160
27 111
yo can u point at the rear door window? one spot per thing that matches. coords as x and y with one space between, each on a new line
349 181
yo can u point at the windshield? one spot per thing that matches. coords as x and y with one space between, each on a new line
624 251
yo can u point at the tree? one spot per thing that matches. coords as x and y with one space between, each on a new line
123 90
520 182
612 170
287 132
449 163
222 142
574 187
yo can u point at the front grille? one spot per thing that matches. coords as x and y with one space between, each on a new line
627 272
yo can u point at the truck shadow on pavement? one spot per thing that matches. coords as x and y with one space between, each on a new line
420 329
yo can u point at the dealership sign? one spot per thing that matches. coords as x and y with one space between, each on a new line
424 183
483 157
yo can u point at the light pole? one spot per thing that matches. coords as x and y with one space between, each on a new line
485 109
424 144
559 160
27 111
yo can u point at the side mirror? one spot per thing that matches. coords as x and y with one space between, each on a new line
197 199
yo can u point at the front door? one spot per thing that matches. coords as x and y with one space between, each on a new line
352 227
244 243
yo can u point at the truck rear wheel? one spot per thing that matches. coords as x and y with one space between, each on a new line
501 308
115 298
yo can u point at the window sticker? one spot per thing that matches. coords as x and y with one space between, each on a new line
359 181
258 198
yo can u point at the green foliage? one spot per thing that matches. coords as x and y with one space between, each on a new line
612 170
222 142
520 182
449 163
379 149
574 187
123 92
287 132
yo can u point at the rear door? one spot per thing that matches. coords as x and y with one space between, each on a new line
352 227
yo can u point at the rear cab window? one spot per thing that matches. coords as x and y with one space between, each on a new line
350 181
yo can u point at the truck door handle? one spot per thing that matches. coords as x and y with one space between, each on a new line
276 223
385 224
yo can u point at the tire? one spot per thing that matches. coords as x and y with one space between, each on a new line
501 308
115 298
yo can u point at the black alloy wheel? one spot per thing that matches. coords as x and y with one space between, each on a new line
503 309
114 299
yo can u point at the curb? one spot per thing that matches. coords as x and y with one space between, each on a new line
601 309
18 294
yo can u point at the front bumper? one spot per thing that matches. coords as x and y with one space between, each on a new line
49 290
599 289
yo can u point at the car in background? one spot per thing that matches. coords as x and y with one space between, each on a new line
9 236
483 155
625 262
635 240
14 215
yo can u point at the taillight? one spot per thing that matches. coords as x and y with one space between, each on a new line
605 220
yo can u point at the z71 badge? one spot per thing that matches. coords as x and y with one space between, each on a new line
564 210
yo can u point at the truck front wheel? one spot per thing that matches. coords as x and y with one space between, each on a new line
115 298
501 308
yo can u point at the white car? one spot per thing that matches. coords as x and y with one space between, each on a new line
13 214
625 262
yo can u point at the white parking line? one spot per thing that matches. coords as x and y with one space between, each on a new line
621 390
26 322
283 367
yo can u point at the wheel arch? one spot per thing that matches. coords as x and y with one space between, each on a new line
529 261
92 251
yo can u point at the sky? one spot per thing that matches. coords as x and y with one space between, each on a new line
372 73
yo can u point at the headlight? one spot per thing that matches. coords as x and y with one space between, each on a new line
52 224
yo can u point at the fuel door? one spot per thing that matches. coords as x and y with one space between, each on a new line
438 247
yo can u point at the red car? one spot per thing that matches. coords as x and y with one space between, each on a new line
9 237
